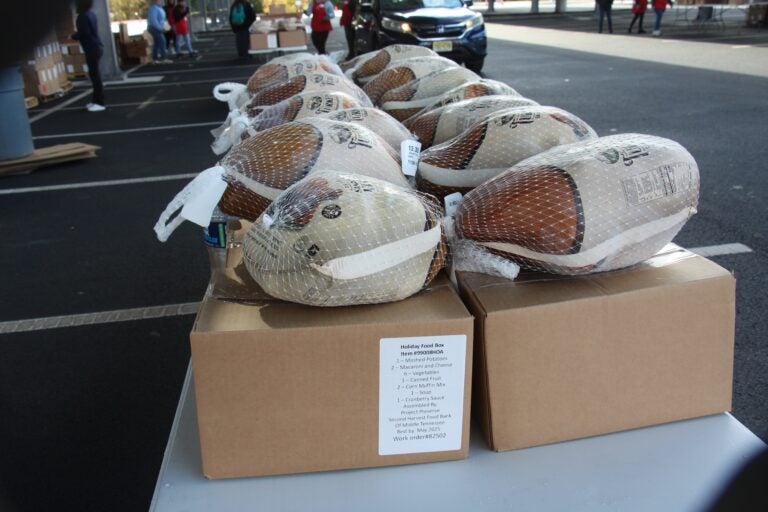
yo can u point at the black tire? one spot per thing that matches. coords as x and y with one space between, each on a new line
475 65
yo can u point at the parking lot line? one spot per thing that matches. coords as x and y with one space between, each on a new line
720 250
243 79
126 130
103 317
155 102
60 106
91 184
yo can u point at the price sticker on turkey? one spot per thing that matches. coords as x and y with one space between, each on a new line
409 155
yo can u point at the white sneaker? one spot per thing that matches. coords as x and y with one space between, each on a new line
656 33
95 107
88 106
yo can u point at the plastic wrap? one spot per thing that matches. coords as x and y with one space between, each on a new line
403 71
586 207
364 68
306 104
408 99
379 122
444 123
495 144
337 239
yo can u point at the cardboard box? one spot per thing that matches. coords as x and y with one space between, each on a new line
285 388
277 9
75 65
263 41
565 358
292 38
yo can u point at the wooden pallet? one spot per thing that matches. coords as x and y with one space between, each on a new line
31 102
64 89
48 156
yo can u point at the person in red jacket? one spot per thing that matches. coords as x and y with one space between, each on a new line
181 27
639 8
348 9
659 6
321 24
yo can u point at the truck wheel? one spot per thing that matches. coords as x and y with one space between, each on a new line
475 65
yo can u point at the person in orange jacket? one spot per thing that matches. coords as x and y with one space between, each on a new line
639 8
659 6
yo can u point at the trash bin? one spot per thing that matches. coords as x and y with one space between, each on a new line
15 131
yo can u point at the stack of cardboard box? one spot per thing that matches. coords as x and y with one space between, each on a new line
74 60
286 388
133 49
43 70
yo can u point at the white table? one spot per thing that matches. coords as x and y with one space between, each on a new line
677 467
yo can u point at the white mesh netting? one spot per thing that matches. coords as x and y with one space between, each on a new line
336 239
586 207
401 72
408 99
378 121
364 68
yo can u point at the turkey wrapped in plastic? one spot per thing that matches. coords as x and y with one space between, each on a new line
296 107
408 99
443 123
258 169
337 239
401 72
495 144
586 207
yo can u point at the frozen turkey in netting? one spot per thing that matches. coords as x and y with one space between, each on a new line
364 68
336 239
277 70
473 89
495 144
449 121
408 99
378 121
299 106
258 169
590 206
403 71
306 82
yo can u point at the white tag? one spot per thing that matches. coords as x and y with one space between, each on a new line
421 394
199 207
451 203
409 156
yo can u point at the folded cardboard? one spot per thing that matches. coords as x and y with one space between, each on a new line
287 38
564 358
263 41
285 388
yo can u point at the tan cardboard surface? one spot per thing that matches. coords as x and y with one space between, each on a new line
286 388
572 357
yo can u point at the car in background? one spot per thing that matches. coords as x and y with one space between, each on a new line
446 26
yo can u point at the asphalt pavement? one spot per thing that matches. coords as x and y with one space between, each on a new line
87 409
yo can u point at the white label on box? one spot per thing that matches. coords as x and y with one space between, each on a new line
70 68
409 156
271 40
421 394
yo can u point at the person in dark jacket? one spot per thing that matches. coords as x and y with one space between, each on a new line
88 36
241 17
604 8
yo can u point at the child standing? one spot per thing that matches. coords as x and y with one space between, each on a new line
639 8
181 28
